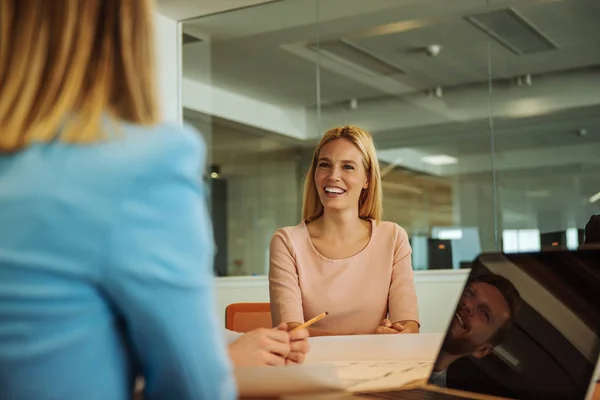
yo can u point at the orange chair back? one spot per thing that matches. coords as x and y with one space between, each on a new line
244 317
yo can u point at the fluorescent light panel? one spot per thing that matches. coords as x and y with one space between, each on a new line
353 55
439 159
512 31
595 198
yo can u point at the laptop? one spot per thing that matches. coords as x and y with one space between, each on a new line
526 326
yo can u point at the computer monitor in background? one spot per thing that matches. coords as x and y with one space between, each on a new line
439 253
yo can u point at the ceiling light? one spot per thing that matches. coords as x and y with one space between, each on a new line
595 198
524 80
512 31
439 159
350 54
433 50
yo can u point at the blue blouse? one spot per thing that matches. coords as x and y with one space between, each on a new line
106 257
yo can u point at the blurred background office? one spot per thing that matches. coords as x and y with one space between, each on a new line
485 113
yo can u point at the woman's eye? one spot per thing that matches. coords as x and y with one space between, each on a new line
323 165
348 167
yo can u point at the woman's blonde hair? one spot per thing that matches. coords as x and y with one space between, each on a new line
74 58
370 200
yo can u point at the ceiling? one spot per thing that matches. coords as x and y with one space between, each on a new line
186 9
268 53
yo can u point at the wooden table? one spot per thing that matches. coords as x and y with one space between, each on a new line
596 395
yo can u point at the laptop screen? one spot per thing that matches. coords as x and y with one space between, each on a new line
526 326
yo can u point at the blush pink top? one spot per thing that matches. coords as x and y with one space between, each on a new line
358 292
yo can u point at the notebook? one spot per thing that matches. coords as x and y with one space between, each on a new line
526 326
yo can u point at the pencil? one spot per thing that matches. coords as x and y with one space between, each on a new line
312 321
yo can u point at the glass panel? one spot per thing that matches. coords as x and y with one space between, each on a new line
247 93
415 75
547 120
485 115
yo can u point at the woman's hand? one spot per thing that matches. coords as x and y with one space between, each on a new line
387 327
261 347
298 346
273 347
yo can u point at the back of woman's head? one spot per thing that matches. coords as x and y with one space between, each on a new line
371 199
82 59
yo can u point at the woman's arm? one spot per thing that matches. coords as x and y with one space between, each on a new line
159 274
402 297
284 288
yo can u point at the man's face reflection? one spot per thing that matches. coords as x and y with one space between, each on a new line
481 311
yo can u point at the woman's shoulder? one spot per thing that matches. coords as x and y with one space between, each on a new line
290 233
145 152
391 228
388 226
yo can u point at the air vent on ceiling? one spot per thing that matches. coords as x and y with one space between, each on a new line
354 56
512 31
187 39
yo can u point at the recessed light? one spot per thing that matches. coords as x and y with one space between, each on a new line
439 159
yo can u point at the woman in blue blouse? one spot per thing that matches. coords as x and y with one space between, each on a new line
105 242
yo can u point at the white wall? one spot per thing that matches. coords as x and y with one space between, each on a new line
437 291
168 53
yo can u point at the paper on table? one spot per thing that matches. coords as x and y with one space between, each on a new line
365 376
351 363
357 376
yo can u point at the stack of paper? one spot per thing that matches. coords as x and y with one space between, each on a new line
347 363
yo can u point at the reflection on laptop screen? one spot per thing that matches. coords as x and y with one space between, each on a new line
526 326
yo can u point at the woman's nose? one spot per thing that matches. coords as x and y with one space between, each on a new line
334 174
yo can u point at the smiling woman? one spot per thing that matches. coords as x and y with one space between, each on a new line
342 258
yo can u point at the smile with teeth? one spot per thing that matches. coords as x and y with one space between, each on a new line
460 320
334 190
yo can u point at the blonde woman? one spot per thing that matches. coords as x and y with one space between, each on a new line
105 243
342 258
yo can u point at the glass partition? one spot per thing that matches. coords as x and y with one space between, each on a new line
485 115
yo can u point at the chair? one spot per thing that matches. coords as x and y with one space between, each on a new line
244 317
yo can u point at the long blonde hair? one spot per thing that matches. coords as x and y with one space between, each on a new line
75 61
370 201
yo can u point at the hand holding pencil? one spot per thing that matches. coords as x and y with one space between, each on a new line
311 321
